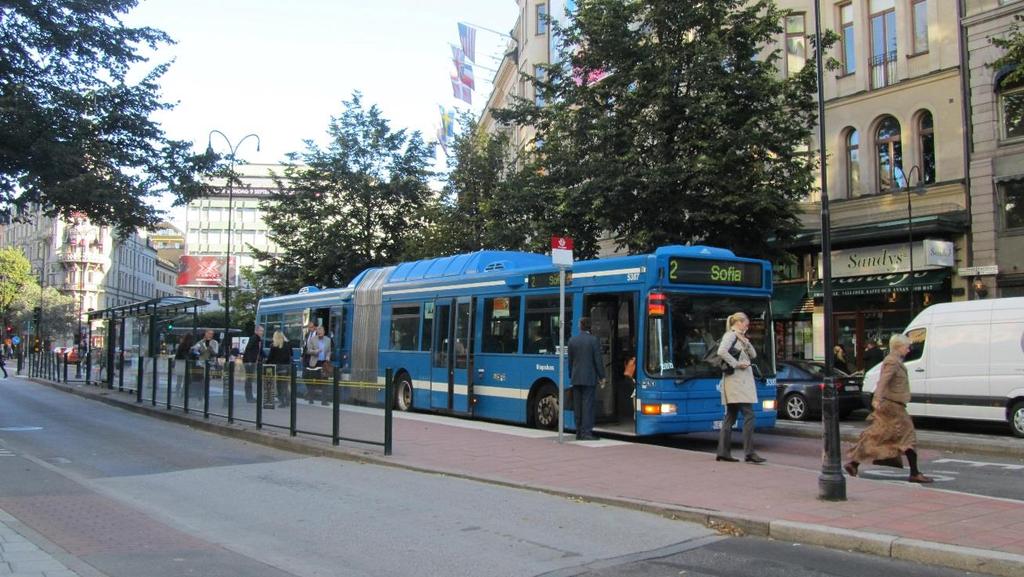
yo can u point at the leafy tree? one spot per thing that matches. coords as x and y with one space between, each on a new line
59 311
673 126
77 133
15 276
485 203
349 206
1013 55
243 302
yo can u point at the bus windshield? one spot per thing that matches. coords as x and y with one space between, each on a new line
678 340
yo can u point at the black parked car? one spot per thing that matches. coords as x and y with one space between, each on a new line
799 387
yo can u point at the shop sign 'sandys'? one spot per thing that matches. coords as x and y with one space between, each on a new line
892 258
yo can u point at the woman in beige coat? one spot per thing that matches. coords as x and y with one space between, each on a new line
738 390
891 432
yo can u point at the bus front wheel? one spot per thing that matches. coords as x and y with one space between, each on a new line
403 392
545 407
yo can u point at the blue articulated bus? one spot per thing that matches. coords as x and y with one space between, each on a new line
476 335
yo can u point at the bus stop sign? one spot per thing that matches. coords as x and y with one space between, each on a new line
561 251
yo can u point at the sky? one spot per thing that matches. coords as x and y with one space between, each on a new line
282 69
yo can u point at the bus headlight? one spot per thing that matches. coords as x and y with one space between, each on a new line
768 405
658 409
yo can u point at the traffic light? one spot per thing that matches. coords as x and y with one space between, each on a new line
10 330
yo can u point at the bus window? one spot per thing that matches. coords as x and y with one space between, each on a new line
405 320
542 324
270 324
293 328
501 325
441 338
428 326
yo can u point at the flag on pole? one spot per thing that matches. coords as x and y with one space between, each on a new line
466 75
467 37
458 56
447 123
461 91
442 140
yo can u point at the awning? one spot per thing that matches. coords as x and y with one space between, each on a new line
787 300
874 284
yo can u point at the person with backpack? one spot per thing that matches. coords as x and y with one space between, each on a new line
739 392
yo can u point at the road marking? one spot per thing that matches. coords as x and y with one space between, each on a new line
19 429
6 453
976 464
902 475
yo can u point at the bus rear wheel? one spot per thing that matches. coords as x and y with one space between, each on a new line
544 408
403 392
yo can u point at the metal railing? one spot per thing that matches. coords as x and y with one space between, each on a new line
883 69
357 409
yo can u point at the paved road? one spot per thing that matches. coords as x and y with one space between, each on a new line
120 494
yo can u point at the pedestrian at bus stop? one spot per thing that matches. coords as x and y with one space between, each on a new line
586 371
280 356
181 356
318 351
739 393
891 432
253 355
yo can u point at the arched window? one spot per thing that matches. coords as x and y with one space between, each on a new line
926 144
890 155
853 163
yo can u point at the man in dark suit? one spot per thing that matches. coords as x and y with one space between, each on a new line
873 355
586 370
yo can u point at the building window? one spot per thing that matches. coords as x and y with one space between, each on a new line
538 74
883 43
849 41
542 18
796 43
1011 107
919 11
890 155
1012 200
853 163
926 143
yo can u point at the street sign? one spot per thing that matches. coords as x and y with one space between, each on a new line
16 340
561 251
978 271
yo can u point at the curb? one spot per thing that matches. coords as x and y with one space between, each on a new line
1001 448
926 552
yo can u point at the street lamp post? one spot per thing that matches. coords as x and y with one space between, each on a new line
81 304
831 482
227 260
910 230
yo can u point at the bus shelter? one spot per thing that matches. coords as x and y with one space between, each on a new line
132 335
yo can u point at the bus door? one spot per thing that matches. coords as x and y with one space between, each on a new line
451 386
613 322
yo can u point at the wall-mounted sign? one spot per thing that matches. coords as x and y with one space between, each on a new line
938 253
890 258
715 272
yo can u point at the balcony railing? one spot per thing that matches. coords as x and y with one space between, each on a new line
883 69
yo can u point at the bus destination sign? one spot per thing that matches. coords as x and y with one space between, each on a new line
547 279
715 272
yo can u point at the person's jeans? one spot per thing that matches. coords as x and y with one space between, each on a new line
583 409
725 436
250 377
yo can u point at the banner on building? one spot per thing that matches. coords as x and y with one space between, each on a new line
203 271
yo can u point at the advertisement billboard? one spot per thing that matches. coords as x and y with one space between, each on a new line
202 271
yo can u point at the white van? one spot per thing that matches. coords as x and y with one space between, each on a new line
966 362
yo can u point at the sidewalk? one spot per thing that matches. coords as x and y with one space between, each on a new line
20 557
886 518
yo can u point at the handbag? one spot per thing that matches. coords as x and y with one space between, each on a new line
718 362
